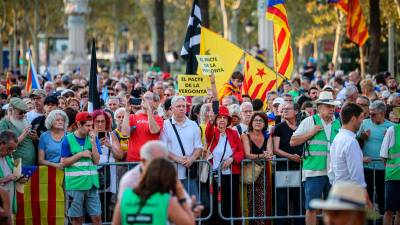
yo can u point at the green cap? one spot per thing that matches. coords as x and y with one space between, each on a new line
18 104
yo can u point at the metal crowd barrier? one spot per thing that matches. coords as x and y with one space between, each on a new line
282 181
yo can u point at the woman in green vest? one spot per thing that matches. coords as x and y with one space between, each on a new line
157 199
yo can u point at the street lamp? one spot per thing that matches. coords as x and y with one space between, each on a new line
248 27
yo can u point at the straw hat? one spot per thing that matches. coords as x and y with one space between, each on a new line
345 196
326 97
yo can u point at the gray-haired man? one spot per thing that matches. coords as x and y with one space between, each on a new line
183 139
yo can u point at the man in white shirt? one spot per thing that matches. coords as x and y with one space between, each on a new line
188 149
316 133
390 152
345 153
246 111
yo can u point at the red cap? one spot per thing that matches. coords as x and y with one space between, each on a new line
83 116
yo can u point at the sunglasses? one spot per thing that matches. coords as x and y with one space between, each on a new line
21 112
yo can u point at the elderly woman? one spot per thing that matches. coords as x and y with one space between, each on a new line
50 141
257 146
227 153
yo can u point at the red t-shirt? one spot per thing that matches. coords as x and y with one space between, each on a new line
141 135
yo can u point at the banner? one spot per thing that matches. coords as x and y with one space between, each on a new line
193 85
210 64
229 54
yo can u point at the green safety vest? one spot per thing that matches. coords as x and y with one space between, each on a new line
81 175
392 170
153 212
317 148
10 163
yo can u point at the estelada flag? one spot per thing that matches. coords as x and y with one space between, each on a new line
32 81
283 53
229 54
43 199
357 30
258 78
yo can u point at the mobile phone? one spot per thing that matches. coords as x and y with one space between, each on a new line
34 127
100 135
215 107
135 101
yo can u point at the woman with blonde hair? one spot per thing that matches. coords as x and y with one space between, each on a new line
367 89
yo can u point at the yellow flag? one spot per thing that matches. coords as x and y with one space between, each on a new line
229 54
258 78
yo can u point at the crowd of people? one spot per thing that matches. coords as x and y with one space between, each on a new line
330 128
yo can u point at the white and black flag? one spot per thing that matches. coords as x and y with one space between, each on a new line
191 47
94 99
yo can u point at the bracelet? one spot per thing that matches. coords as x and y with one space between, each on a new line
182 201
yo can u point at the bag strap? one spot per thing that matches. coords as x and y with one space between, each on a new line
179 138
239 129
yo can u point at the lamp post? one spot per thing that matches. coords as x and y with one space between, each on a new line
248 27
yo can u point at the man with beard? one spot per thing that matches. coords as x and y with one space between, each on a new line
392 85
17 123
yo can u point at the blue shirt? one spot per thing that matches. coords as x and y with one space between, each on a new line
66 151
372 145
50 147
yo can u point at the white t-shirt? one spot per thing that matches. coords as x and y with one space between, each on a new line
31 115
219 150
388 142
306 126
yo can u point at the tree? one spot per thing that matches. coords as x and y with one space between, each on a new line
205 12
158 12
375 35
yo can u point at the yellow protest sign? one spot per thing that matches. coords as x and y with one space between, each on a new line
193 85
210 64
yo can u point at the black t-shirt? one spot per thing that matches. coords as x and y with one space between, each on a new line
38 125
309 74
303 98
283 131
